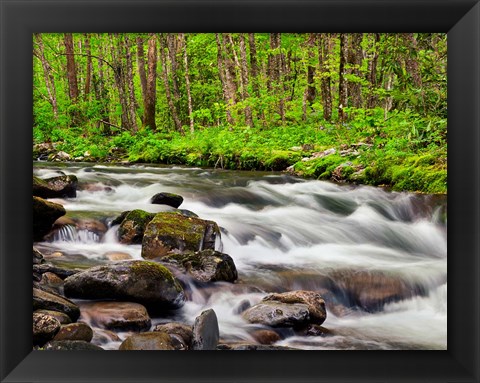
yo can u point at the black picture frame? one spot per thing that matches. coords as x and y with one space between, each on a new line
20 19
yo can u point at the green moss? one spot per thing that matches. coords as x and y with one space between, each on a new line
142 269
281 159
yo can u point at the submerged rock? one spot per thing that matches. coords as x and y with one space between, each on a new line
45 213
170 199
50 301
182 332
277 314
132 226
204 266
55 187
75 331
148 341
119 316
44 328
71 345
169 231
205 331
266 336
313 300
144 282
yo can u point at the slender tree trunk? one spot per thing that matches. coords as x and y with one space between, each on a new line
151 88
101 94
131 89
411 63
71 69
310 90
372 74
141 70
355 58
325 82
47 75
242 64
342 86
117 53
172 52
275 73
168 95
187 82
222 72
254 74
88 76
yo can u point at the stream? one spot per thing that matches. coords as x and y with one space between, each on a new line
378 258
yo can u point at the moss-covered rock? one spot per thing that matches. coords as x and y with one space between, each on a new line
203 266
171 231
55 187
45 213
144 282
132 227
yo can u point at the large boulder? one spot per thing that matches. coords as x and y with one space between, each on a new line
313 300
203 266
148 341
169 231
170 199
43 300
119 316
132 226
44 328
75 331
45 213
205 331
144 282
55 187
277 314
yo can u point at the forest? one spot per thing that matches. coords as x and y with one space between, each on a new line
361 108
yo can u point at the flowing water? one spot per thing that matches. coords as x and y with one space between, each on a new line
379 258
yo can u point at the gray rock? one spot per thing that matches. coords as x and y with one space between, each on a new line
55 187
205 331
75 331
172 231
277 314
170 199
44 328
148 341
203 266
71 345
50 301
119 316
49 268
144 282
61 317
45 213
314 301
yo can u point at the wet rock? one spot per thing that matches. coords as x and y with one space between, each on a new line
277 314
313 300
61 317
148 341
252 347
49 268
132 227
170 199
44 328
181 331
37 257
187 213
93 225
242 306
119 316
144 282
42 150
172 231
51 280
266 336
102 336
55 187
49 301
60 156
45 213
75 331
315 330
205 331
117 256
71 345
203 266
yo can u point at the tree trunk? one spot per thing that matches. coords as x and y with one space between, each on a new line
116 49
324 52
168 95
254 74
355 58
242 64
141 70
151 89
101 94
47 75
222 72
71 69
372 74
310 91
172 52
131 89
88 76
275 73
342 86
411 63
187 82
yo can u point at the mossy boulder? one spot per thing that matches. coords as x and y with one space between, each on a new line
203 266
44 328
313 300
118 316
170 199
51 301
278 314
148 341
169 231
75 331
144 282
56 187
45 213
132 226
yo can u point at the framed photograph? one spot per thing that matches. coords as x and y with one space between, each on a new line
320 268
